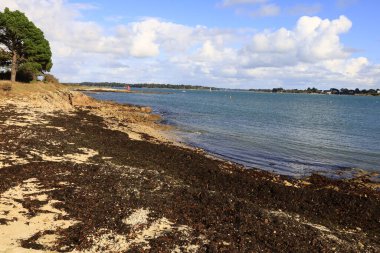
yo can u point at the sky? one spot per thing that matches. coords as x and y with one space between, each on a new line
220 43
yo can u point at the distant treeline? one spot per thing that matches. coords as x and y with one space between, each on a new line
343 91
148 85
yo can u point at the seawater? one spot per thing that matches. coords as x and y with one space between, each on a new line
291 134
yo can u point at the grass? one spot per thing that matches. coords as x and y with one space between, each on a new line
22 89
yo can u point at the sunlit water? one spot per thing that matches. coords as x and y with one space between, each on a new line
292 134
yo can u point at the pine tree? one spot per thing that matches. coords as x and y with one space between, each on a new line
22 45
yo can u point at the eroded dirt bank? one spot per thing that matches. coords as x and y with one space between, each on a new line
82 176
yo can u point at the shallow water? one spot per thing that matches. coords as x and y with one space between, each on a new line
292 134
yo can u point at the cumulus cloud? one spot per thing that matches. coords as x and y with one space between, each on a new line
155 50
312 40
145 34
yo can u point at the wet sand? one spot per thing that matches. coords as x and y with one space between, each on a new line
79 175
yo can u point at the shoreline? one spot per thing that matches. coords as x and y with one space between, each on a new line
79 176
336 171
114 89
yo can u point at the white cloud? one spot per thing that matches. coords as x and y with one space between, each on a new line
312 40
84 6
143 44
351 67
228 3
304 9
345 3
267 10
155 50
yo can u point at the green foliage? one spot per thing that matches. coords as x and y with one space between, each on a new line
275 90
343 91
23 76
149 85
49 78
23 42
5 57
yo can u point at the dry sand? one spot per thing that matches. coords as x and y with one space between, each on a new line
33 103
36 99
21 225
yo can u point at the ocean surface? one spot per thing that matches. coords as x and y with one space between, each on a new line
291 134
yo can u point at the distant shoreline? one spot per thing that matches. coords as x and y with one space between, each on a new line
96 90
374 94
111 87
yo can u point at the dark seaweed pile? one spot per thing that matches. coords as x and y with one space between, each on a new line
229 208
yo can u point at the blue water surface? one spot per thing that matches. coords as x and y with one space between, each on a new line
292 134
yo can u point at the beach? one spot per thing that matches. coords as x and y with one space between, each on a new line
82 175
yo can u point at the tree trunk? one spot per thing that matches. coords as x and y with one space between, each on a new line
14 66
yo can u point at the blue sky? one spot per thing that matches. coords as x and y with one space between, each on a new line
224 43
364 35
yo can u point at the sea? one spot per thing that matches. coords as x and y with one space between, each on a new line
290 134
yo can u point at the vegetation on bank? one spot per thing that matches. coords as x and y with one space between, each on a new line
11 89
144 85
334 91
24 51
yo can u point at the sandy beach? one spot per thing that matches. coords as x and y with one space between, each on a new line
80 175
